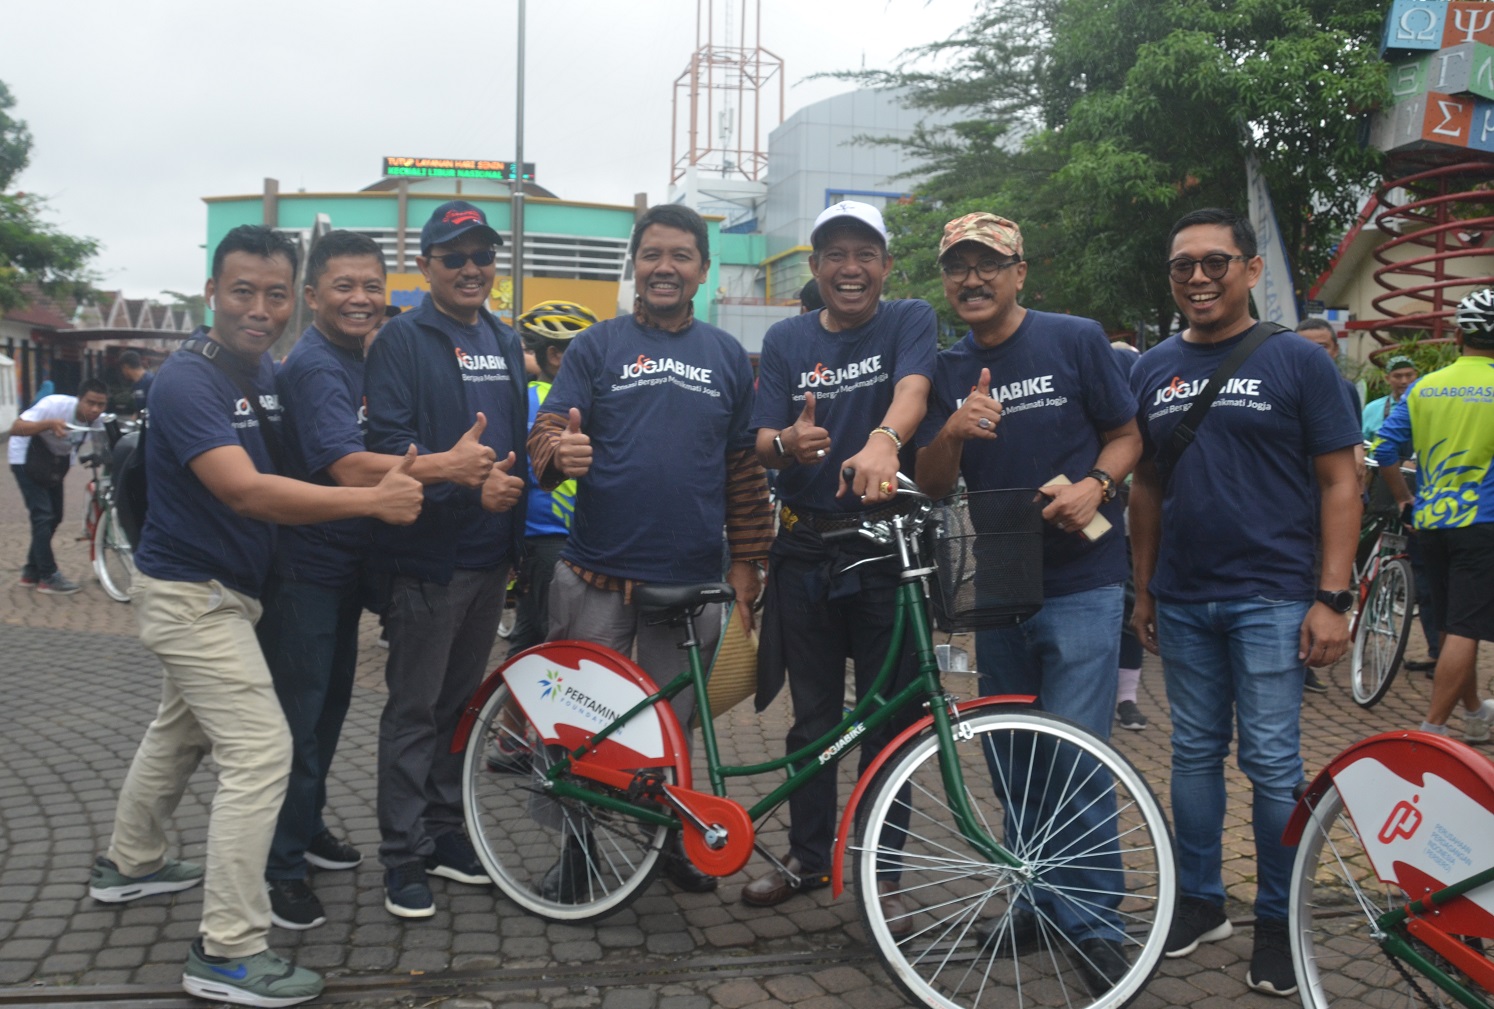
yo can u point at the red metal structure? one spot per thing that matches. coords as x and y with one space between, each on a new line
723 89
1439 216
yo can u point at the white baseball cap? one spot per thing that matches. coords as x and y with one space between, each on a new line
865 213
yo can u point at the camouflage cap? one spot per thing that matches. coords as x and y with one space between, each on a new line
987 229
1398 362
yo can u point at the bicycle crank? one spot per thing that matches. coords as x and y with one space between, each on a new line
717 833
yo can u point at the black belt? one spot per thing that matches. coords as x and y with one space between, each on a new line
824 523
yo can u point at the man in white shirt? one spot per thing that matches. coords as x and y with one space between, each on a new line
40 478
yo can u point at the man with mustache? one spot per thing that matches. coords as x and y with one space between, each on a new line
1024 398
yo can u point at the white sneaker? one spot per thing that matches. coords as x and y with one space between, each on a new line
1476 724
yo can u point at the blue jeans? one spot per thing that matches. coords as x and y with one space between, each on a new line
44 506
1233 663
1067 656
309 635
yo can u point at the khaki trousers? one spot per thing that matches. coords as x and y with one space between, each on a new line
216 697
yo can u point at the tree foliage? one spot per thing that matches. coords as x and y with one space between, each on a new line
1096 123
33 253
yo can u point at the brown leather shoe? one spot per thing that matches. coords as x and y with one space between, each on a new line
775 888
895 909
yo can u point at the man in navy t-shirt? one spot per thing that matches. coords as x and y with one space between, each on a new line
314 598
211 456
431 374
1223 536
844 387
1025 398
649 417
133 370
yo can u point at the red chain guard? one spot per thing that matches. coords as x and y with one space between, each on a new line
717 812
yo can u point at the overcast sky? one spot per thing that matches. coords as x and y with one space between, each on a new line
139 108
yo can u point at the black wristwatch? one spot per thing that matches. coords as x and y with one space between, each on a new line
1339 602
1106 481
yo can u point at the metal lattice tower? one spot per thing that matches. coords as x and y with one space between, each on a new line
719 98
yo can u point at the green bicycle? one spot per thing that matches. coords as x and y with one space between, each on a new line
1015 837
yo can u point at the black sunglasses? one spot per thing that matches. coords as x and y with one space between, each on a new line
457 260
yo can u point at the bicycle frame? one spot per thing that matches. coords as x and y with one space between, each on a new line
1409 918
872 711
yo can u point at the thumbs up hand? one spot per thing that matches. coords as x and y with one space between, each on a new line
502 489
469 461
805 441
398 496
573 451
978 416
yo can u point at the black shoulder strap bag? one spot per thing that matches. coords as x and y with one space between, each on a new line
1187 429
213 351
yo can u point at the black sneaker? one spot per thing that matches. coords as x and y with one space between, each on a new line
1311 682
455 858
680 871
293 905
1271 963
1102 963
568 880
1196 920
327 851
406 893
1129 716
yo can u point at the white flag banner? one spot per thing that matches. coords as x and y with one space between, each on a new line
1274 297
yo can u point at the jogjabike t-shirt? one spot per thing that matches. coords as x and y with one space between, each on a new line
662 411
321 390
189 535
1240 515
852 375
1060 385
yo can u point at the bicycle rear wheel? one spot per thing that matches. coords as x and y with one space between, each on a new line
561 859
1384 627
113 558
1096 863
1336 897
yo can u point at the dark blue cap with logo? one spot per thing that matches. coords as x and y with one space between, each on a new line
451 220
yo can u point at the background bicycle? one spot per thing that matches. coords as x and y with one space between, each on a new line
1386 597
110 552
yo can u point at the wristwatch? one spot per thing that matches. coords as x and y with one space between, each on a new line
778 446
1339 602
1106 481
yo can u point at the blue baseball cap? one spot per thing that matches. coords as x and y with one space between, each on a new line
452 219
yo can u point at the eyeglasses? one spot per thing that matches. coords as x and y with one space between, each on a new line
985 269
1214 267
457 260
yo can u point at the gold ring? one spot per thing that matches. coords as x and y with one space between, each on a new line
886 486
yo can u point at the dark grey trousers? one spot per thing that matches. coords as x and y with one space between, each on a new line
440 638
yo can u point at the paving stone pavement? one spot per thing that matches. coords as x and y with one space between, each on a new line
78 689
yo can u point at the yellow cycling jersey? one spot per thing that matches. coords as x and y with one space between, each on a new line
1448 418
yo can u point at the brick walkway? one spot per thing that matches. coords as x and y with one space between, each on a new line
79 689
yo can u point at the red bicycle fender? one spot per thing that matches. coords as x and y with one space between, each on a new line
848 818
674 737
1480 769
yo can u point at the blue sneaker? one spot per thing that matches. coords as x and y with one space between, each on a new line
406 893
456 859
263 979
108 884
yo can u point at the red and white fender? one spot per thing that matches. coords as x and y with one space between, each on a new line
571 690
1423 806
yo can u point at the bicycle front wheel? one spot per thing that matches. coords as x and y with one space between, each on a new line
1336 899
113 558
1384 625
562 859
1094 862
